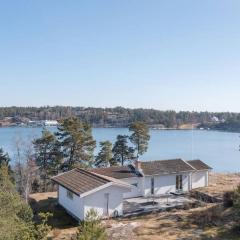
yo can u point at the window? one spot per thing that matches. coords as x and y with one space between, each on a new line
152 186
135 184
70 194
179 182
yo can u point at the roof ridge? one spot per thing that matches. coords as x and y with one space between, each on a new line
109 167
189 164
62 173
92 174
161 160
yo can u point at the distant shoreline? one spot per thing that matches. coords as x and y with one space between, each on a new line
157 129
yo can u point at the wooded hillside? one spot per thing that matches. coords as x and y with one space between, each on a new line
118 116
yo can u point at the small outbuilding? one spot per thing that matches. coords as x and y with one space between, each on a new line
200 175
80 190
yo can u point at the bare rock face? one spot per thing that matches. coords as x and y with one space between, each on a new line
122 231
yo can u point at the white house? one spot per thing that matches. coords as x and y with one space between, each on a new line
104 189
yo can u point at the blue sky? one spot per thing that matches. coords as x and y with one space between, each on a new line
181 55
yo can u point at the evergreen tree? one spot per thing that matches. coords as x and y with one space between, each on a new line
91 228
121 151
48 155
15 215
43 228
5 160
77 142
104 157
236 198
139 137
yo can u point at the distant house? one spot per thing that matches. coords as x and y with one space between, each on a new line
104 189
215 119
50 123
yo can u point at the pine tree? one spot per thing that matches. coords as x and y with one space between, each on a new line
48 155
121 151
139 137
105 156
77 142
5 160
91 228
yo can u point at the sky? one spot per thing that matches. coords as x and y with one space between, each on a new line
178 55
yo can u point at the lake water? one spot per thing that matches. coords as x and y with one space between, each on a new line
218 149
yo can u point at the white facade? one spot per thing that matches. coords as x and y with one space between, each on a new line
199 179
106 202
137 187
98 201
74 206
165 184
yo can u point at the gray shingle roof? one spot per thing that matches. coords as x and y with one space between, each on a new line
199 165
118 172
80 181
165 167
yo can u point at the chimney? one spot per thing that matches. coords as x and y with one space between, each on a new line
137 165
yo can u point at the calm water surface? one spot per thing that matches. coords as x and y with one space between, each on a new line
219 149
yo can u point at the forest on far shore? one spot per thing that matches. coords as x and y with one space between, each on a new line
122 117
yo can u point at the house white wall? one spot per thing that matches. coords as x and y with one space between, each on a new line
199 179
78 207
73 206
97 201
135 191
164 184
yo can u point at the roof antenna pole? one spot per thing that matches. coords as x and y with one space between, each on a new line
192 143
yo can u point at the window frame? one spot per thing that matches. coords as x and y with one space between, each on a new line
69 194
135 184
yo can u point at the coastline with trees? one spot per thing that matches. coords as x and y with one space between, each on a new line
119 117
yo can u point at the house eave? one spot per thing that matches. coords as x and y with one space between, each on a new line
103 187
164 174
62 185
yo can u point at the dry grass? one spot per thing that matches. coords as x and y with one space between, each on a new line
220 183
200 223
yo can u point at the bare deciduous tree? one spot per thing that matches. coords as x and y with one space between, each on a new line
25 167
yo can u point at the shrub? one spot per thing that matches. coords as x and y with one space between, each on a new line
43 228
228 198
91 228
236 199
208 217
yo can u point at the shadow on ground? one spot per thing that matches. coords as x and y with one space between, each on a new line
60 219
